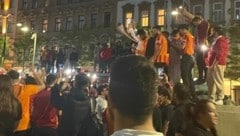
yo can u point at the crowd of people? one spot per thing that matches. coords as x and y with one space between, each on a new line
132 103
144 96
175 54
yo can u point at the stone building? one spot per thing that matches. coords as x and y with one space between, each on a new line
148 13
89 20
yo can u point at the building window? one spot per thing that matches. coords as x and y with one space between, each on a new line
197 9
237 10
57 24
34 4
107 19
145 18
69 23
93 20
217 12
45 25
46 3
160 17
25 4
81 21
128 18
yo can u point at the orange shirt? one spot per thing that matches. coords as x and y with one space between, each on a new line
161 45
188 47
24 98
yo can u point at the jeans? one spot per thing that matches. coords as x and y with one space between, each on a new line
187 64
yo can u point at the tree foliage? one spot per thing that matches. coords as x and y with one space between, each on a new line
24 48
233 66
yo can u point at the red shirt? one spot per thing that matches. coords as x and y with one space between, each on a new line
44 114
219 51
202 33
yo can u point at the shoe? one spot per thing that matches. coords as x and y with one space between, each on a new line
199 81
219 102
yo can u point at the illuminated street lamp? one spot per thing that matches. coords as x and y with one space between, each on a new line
6 4
174 13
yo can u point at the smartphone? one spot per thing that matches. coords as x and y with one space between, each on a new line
160 72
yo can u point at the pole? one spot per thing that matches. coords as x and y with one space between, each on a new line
34 37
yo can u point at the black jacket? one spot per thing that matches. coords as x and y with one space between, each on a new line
75 109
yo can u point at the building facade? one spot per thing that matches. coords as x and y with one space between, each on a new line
90 20
149 13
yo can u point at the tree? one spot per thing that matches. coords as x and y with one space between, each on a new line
24 48
233 66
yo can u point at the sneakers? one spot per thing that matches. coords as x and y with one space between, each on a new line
218 102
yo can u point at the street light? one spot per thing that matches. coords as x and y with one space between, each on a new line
34 37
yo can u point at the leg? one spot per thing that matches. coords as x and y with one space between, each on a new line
219 81
211 85
201 67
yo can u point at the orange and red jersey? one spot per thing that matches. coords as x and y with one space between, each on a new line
188 47
161 45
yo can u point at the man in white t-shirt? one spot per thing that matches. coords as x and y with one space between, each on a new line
133 95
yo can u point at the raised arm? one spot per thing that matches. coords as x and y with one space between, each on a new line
189 16
38 79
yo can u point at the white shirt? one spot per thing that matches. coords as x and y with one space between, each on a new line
101 105
132 132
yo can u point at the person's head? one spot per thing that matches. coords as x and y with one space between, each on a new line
197 20
156 30
50 80
163 95
14 75
102 89
30 80
132 88
10 108
5 82
183 29
142 34
205 113
175 35
81 81
166 34
180 93
217 30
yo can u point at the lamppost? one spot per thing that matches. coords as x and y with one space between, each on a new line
34 37
5 16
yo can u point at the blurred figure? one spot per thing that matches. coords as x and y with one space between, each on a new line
166 107
181 116
10 107
60 59
175 54
217 64
187 61
133 96
157 49
75 105
32 86
74 56
17 86
44 114
142 42
201 40
205 119
101 105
